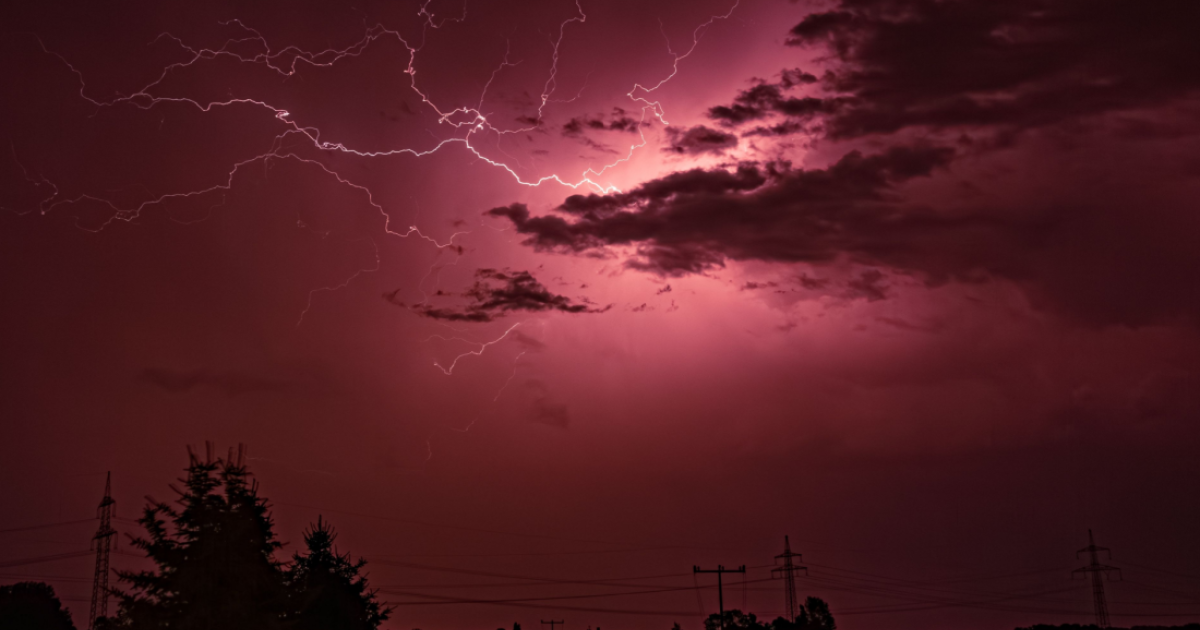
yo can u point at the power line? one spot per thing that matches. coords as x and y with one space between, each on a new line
480 530
924 595
57 578
1160 589
29 528
445 599
699 599
520 554
1163 571
920 602
620 611
40 559
930 583
602 582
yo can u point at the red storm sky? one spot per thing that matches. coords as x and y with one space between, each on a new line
605 290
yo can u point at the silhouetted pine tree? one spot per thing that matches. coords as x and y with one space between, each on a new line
214 555
328 590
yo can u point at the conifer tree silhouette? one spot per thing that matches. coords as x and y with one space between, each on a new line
328 590
215 569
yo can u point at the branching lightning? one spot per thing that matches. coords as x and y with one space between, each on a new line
482 347
466 124
510 376
342 285
469 425
655 106
472 118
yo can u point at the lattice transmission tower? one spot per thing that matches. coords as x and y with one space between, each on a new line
1097 572
788 572
103 541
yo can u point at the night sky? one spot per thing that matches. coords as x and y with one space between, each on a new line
546 302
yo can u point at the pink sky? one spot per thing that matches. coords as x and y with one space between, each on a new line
946 356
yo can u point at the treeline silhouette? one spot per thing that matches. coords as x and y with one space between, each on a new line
1075 626
813 615
216 566
215 569
32 606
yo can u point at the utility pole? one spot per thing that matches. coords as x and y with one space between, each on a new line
720 570
103 541
1097 572
788 573
553 622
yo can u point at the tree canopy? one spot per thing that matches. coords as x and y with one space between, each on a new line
813 615
32 606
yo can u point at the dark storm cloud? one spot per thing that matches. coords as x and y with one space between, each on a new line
869 286
1089 223
228 382
1105 245
1015 65
1168 396
551 413
530 344
699 140
933 327
597 146
785 128
618 120
496 293
658 191
691 221
812 284
765 99
545 409
754 286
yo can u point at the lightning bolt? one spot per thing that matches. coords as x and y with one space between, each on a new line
467 428
471 119
482 348
429 17
345 283
467 125
655 106
510 377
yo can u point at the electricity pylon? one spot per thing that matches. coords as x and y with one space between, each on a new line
103 541
1097 572
788 573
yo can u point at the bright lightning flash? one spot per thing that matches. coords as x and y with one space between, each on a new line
464 123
